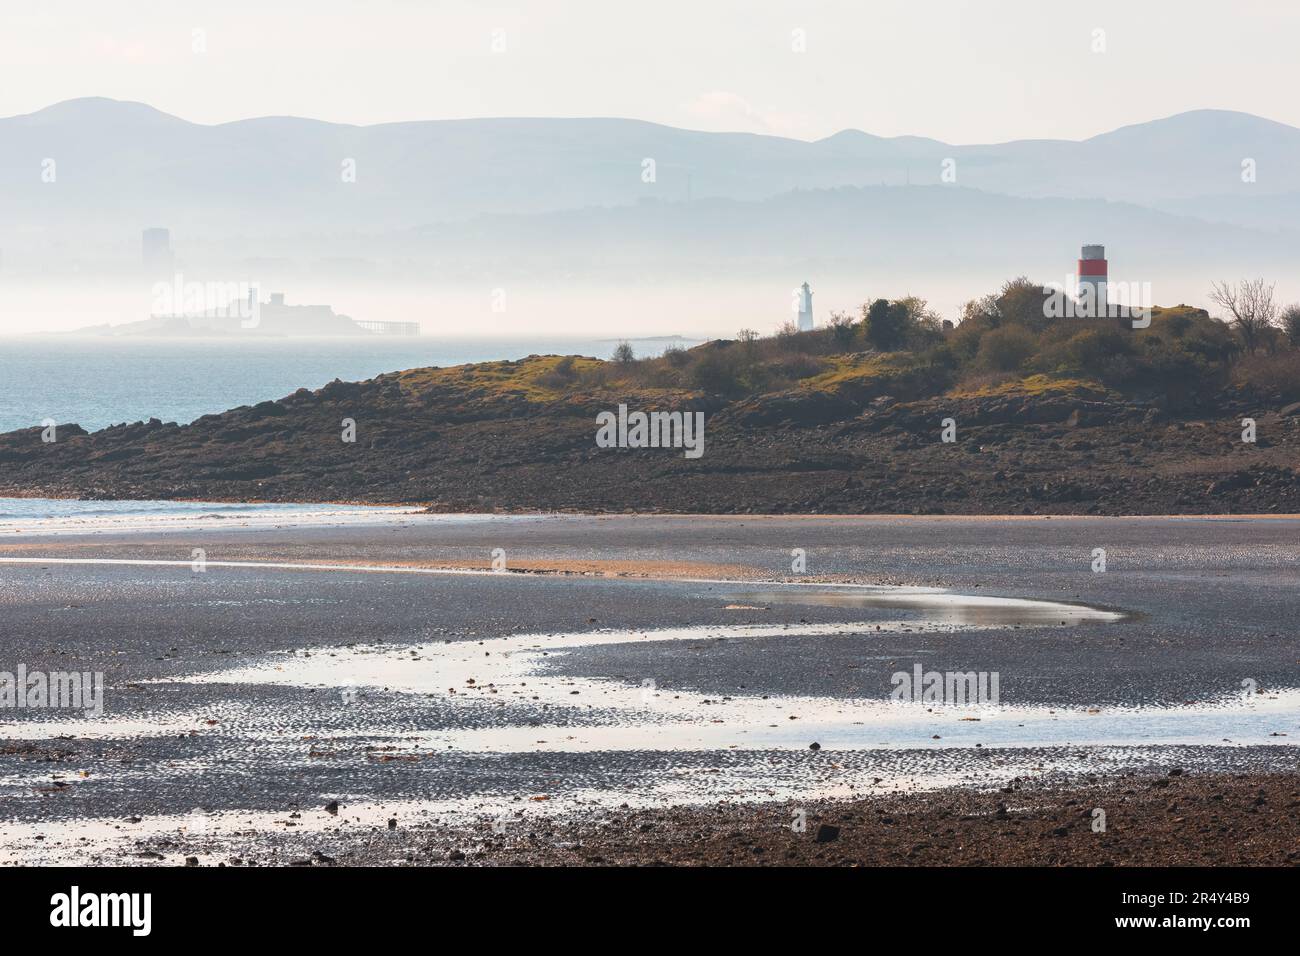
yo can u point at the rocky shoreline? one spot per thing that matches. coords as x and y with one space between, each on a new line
1170 818
458 446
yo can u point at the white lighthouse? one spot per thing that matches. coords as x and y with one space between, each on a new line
805 308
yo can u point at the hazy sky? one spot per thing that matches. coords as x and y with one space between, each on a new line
964 72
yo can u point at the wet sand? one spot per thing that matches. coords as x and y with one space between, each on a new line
659 662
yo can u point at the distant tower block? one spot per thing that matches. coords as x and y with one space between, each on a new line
156 250
1092 280
805 309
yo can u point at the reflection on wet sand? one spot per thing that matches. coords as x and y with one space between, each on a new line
937 606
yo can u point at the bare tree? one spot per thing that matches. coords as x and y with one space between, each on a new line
748 339
842 328
623 354
1253 310
921 313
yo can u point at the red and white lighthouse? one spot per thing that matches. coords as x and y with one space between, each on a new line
1092 281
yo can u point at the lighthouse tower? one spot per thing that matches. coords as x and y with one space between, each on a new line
1092 281
805 308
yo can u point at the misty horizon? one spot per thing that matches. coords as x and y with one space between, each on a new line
652 229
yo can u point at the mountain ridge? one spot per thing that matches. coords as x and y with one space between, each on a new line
62 107
123 166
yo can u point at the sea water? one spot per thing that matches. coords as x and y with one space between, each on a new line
100 381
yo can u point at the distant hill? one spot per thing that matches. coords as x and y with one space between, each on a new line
1278 212
943 228
121 166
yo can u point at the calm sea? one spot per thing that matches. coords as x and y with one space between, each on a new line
96 382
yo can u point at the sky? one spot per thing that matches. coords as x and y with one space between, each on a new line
963 72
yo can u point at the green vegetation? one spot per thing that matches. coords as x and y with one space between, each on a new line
538 378
1007 340
1291 324
1005 343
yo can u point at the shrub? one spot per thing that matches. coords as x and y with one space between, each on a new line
1274 376
715 371
796 367
676 356
842 330
594 376
1291 323
561 375
1090 351
886 323
790 339
1006 348
1022 301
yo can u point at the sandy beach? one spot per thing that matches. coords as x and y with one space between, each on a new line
429 676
